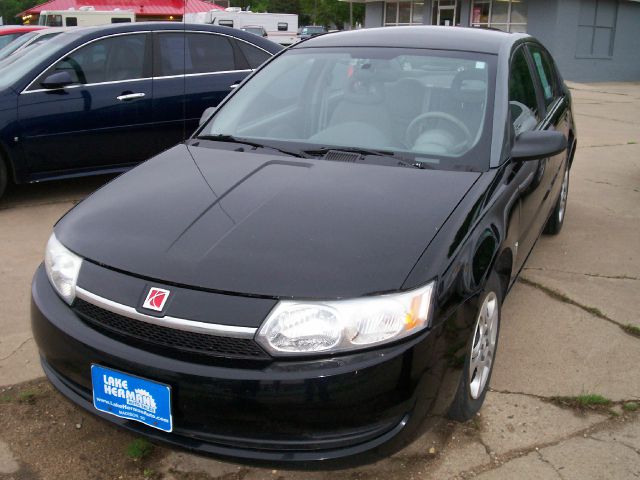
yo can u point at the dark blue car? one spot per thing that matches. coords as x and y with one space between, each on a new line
97 100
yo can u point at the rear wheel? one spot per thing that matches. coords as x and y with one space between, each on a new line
556 220
480 357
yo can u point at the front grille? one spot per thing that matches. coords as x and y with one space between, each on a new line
169 340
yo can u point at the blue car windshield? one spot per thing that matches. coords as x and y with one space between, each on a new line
33 55
432 106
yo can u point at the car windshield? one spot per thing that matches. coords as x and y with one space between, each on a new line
313 30
16 44
433 107
32 55
7 39
31 38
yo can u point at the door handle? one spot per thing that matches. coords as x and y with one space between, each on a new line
130 96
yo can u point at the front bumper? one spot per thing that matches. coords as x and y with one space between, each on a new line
282 411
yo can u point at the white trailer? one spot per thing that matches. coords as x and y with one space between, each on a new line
281 28
84 17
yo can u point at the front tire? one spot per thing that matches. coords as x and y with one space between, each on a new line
480 358
556 220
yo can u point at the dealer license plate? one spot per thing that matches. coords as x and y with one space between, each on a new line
131 397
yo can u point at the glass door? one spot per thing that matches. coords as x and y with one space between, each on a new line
446 13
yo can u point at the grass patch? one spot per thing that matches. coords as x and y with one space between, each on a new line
631 142
28 396
589 401
630 406
631 330
139 449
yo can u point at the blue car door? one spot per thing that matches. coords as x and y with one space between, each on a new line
103 119
192 71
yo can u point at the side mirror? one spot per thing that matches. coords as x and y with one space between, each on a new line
57 80
207 113
538 144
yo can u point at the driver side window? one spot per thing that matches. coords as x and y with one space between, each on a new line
111 59
523 103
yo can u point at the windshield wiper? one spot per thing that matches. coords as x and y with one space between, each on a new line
403 161
242 141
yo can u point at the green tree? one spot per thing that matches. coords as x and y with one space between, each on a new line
10 8
329 13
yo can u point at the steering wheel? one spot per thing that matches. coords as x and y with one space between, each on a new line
412 132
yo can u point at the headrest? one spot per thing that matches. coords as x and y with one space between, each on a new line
470 85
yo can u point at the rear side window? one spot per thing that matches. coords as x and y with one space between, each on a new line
283 26
546 73
254 55
523 103
225 23
202 53
111 59
71 22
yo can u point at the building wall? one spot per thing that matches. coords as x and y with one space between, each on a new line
556 24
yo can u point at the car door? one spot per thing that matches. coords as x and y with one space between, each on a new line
526 112
192 71
102 120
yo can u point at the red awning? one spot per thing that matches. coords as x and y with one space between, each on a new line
140 7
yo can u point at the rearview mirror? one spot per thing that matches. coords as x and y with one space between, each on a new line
206 114
57 80
538 144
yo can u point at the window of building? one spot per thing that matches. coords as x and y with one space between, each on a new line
596 28
403 13
507 15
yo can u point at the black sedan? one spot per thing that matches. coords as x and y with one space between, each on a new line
102 99
300 279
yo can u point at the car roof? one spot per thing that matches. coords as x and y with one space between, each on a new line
419 36
87 33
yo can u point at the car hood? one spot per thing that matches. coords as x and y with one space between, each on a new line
267 225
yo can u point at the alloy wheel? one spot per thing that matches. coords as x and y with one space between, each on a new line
564 193
484 345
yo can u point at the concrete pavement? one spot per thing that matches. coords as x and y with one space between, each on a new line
562 335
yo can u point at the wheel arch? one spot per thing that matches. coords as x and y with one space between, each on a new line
6 159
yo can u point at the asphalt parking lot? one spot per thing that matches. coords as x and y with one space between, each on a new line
567 380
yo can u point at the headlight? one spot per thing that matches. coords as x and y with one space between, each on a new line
62 268
295 328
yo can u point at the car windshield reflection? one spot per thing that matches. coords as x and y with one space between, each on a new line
432 105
